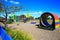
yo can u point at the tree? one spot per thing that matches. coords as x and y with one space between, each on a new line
28 15
31 17
1 7
8 10
38 17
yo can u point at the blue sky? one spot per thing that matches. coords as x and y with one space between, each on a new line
36 7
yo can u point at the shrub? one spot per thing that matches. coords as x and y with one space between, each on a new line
18 35
9 22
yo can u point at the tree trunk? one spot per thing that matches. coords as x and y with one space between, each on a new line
6 20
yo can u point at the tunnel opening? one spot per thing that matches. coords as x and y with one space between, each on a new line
47 21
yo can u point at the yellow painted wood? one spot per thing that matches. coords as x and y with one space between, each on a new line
56 20
57 26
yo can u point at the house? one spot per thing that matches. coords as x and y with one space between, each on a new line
22 17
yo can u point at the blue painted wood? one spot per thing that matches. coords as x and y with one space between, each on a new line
46 23
4 35
57 22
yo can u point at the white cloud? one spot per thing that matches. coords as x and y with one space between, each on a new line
40 12
5 0
37 13
11 1
14 2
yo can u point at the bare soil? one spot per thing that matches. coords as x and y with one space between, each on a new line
37 33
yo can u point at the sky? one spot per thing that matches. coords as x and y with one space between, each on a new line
36 7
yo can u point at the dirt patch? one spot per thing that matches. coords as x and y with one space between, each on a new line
37 33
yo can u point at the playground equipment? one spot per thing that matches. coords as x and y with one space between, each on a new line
53 24
33 22
17 19
25 20
14 17
28 16
4 35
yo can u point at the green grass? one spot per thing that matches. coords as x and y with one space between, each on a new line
19 35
